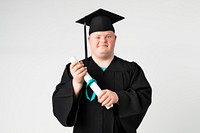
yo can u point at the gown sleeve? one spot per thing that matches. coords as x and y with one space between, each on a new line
65 106
135 100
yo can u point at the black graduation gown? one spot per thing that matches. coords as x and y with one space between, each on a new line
125 78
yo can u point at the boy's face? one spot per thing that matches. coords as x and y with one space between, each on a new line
102 43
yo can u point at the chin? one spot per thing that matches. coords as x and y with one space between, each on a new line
104 55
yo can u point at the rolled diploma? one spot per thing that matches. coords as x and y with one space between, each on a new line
87 77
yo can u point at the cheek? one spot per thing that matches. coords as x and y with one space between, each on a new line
112 43
93 44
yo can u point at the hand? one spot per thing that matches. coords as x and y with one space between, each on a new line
78 71
108 97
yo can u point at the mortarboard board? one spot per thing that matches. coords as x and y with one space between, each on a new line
99 20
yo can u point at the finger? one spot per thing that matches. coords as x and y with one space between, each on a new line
72 65
103 92
109 103
81 62
79 77
81 72
103 98
106 101
75 63
77 67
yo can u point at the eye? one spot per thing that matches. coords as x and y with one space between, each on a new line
109 36
97 37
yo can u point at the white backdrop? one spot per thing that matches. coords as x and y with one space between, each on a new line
38 36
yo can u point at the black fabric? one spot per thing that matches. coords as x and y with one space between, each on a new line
100 20
100 12
125 78
101 23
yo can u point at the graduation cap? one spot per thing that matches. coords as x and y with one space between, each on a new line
99 20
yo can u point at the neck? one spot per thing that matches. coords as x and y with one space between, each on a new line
103 62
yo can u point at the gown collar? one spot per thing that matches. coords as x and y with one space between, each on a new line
94 66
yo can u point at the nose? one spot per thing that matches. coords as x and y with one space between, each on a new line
103 39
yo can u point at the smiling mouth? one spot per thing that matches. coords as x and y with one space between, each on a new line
103 45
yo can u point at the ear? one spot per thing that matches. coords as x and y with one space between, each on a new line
89 40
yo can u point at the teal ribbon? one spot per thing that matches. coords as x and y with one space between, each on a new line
86 93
